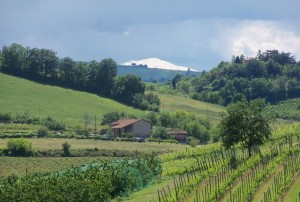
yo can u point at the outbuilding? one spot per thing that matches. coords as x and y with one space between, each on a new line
137 127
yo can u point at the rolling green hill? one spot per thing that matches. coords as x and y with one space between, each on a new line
172 103
20 95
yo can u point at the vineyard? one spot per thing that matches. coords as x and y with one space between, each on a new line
210 173
288 109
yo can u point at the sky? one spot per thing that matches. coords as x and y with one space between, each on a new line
193 33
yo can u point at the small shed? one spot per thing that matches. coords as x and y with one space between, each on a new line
179 135
138 127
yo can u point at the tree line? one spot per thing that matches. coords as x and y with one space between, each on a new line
43 65
271 75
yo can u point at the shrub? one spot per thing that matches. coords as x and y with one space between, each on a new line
19 147
5 118
66 149
43 131
193 141
160 132
53 124
127 135
81 131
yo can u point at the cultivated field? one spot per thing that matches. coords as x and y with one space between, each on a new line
44 144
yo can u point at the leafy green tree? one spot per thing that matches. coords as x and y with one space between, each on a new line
105 76
198 131
66 71
245 123
14 58
152 117
66 149
49 64
175 80
125 87
34 60
19 147
110 117
160 132
165 119
42 131
256 69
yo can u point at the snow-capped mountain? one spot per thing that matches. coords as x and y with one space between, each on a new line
157 63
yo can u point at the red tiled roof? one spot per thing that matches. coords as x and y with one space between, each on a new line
123 123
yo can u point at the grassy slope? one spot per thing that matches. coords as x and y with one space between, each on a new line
20 95
172 103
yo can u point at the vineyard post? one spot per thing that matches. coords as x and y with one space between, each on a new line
158 195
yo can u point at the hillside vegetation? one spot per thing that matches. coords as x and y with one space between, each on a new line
23 96
271 75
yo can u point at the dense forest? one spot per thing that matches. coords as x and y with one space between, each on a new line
271 75
43 65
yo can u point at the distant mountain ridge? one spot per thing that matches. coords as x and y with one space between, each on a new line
153 74
158 64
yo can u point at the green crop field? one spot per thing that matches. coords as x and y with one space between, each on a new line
20 95
172 103
21 166
287 109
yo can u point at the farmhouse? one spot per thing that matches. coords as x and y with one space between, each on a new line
179 135
138 127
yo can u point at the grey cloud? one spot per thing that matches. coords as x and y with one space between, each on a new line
184 32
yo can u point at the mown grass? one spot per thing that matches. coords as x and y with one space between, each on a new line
44 144
22 166
66 105
172 103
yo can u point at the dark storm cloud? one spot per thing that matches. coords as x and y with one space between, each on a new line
192 33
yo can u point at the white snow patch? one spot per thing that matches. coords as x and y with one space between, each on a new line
158 64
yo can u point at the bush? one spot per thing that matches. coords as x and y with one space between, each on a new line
82 131
43 131
193 141
66 149
53 125
160 132
19 147
127 135
5 118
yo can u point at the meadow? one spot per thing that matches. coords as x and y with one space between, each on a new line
171 103
19 96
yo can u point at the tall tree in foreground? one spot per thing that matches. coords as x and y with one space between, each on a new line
246 124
